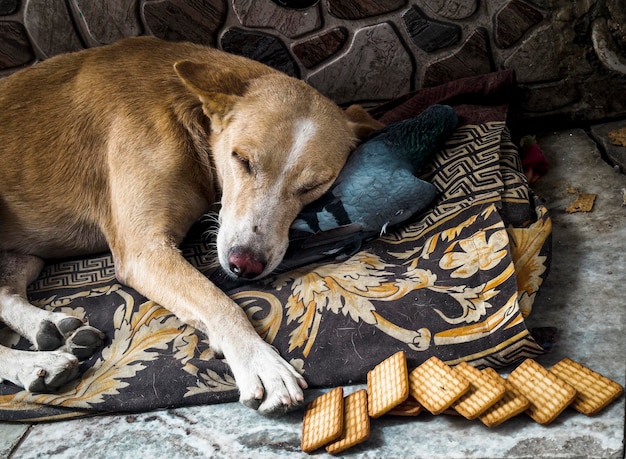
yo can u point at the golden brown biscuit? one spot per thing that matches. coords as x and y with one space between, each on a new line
512 404
356 423
548 395
436 386
484 392
594 391
387 385
323 420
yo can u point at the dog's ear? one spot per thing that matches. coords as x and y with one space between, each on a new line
361 121
217 88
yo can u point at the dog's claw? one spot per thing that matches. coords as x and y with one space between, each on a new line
251 402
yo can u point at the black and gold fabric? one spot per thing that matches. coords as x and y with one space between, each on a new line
457 282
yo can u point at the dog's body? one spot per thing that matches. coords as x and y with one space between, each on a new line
124 147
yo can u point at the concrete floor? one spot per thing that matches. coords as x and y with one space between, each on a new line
584 296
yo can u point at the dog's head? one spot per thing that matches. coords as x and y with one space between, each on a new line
277 145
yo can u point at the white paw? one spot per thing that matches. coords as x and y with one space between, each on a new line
42 371
266 382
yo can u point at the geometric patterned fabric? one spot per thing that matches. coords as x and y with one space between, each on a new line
455 282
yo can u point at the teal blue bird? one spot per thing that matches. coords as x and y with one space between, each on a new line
378 187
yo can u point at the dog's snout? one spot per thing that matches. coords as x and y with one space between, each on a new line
244 263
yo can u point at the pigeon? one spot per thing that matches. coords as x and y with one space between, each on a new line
377 189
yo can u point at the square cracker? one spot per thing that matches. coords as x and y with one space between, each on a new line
387 385
548 395
594 391
356 423
512 404
323 420
436 386
484 392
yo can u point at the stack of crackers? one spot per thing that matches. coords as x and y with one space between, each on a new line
339 422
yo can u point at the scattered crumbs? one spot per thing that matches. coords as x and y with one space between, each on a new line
618 137
582 203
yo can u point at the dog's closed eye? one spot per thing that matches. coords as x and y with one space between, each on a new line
310 187
243 161
304 189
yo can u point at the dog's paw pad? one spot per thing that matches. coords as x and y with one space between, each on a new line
68 325
48 337
69 373
84 342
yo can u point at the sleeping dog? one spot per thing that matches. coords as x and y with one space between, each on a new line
123 148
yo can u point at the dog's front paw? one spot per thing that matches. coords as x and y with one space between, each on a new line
69 334
266 382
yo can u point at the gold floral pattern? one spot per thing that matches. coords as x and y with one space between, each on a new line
530 264
476 253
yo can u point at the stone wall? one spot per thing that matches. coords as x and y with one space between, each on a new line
569 55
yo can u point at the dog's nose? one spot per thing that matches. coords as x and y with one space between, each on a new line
244 263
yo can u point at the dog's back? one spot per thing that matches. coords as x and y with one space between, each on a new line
54 190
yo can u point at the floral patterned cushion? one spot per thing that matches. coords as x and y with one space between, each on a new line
456 282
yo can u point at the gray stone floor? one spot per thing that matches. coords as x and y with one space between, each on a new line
584 296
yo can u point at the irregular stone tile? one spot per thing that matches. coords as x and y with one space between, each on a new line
360 9
49 24
548 97
10 436
265 13
474 58
428 34
260 47
376 67
296 4
606 48
544 4
453 9
321 47
571 34
104 21
9 6
536 59
176 20
615 151
15 49
513 21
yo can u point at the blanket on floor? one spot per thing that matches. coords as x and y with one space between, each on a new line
455 282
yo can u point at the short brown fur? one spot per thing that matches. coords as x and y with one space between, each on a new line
124 147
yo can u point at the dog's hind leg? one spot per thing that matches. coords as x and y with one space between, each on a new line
69 338
44 371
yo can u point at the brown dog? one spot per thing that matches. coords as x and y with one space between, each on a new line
125 147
